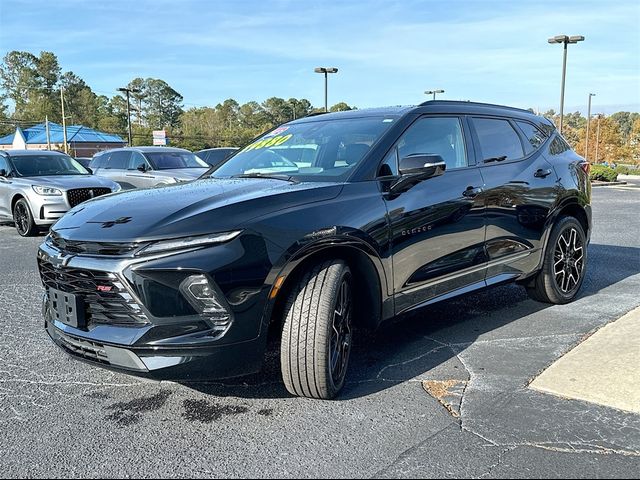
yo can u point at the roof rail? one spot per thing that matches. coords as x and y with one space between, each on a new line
469 102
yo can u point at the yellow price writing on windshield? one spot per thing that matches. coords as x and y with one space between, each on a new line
268 142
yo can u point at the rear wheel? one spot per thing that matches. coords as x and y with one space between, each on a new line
318 334
564 264
23 219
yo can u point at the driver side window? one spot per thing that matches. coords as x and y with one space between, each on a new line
435 135
136 160
4 165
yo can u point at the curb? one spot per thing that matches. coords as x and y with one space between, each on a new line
606 184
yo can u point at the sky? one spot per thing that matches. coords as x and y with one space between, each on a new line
388 52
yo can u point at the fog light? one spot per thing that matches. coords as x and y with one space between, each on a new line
206 299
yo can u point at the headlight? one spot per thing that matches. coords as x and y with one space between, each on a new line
40 190
189 242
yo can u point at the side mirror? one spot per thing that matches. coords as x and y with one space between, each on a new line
142 167
3 172
418 167
89 170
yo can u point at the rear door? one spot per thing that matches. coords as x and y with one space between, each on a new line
437 226
520 189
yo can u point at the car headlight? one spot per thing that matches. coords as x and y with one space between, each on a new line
189 242
40 190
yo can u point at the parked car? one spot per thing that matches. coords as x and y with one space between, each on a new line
38 187
215 156
399 208
84 161
141 167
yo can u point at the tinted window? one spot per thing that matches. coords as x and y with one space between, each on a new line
535 136
136 160
214 157
119 160
170 160
498 139
558 146
99 161
46 165
4 165
437 135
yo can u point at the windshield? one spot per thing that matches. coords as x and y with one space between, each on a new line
321 150
46 165
173 160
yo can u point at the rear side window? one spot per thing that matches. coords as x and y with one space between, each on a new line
119 160
558 146
534 136
497 139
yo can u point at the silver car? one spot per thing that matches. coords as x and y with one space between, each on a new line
143 167
38 187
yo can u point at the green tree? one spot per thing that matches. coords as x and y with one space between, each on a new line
341 107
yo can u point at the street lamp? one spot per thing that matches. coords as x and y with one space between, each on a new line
566 40
586 147
128 91
433 92
326 71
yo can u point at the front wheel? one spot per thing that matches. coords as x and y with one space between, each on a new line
317 333
23 219
564 265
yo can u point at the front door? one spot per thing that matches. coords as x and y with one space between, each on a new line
437 226
5 182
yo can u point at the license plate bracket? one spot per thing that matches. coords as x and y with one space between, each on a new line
67 308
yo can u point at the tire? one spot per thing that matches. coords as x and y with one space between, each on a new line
564 264
23 219
314 355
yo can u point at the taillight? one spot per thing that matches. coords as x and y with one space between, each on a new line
586 167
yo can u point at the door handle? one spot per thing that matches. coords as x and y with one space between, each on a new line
540 173
472 192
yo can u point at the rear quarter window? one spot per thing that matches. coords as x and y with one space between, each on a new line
535 137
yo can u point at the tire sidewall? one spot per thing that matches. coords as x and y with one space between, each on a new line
345 275
554 291
31 228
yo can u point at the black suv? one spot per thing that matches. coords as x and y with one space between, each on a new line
391 209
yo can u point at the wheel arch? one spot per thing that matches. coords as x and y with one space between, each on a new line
366 267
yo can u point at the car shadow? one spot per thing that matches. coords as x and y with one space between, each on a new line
400 346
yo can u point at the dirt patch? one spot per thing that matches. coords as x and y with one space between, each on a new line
448 392
207 412
128 413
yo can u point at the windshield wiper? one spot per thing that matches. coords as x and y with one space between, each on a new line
275 176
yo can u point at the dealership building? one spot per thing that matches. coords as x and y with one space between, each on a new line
82 141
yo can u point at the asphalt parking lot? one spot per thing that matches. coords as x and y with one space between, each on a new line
60 417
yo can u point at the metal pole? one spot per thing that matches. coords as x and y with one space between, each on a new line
326 101
64 121
586 146
597 138
129 115
46 123
564 74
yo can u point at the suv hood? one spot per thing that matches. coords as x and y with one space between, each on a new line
67 182
198 208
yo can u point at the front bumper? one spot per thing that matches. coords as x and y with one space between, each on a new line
126 332
47 210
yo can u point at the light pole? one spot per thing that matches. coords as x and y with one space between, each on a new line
586 146
326 71
598 136
433 92
566 40
129 91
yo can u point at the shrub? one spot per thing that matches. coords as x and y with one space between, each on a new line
624 170
603 174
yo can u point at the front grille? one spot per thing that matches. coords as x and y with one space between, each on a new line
79 195
106 299
91 248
